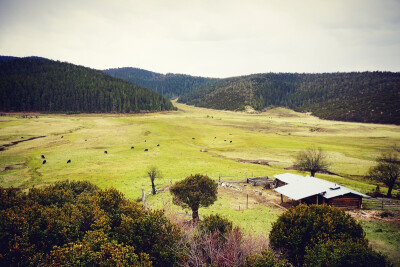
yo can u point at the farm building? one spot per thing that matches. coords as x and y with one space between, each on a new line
311 190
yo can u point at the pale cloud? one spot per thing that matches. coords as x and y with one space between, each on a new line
216 38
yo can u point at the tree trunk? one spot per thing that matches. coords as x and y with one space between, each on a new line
313 173
195 215
389 194
153 188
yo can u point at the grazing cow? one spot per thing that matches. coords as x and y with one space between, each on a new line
22 137
43 157
193 138
146 149
105 152
69 161
224 140
231 141
62 136
158 144
44 161
132 147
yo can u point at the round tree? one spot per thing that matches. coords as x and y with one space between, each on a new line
195 192
303 227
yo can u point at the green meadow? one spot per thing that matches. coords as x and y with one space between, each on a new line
274 136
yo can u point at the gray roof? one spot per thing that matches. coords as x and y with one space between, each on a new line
299 187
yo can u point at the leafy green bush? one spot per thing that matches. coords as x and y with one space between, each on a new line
303 227
96 250
215 223
266 259
344 253
72 222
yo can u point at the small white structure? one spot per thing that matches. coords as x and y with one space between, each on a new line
313 190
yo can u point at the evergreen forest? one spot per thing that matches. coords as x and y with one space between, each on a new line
42 85
170 85
356 96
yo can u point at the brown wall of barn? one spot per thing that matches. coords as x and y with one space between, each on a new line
346 201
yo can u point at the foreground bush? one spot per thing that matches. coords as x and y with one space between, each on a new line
265 259
52 224
215 224
303 227
344 253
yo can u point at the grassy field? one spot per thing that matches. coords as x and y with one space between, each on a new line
274 136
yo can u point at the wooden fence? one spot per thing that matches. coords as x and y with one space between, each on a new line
380 204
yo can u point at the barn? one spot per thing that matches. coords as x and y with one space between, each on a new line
311 190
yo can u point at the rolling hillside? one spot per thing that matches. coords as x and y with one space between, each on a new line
360 97
170 85
38 84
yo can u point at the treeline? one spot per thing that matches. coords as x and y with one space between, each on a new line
355 96
38 84
170 85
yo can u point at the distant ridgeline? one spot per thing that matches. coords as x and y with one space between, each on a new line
38 84
355 96
170 85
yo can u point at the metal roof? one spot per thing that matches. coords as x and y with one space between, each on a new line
299 187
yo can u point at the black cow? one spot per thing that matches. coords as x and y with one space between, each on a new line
132 147
105 152
69 161
43 157
146 149
62 136
158 144
231 141
44 161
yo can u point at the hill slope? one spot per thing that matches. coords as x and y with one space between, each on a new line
361 97
37 84
170 85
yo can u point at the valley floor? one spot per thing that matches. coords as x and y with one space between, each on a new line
233 144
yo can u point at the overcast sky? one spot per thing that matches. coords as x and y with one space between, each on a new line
215 38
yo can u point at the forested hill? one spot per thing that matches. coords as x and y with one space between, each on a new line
355 96
38 84
170 85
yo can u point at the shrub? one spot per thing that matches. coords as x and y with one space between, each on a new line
305 226
96 250
386 213
48 225
344 253
215 223
266 259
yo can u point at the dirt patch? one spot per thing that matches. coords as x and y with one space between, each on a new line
14 167
318 130
4 147
375 215
256 161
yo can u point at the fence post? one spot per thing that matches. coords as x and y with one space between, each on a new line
144 198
